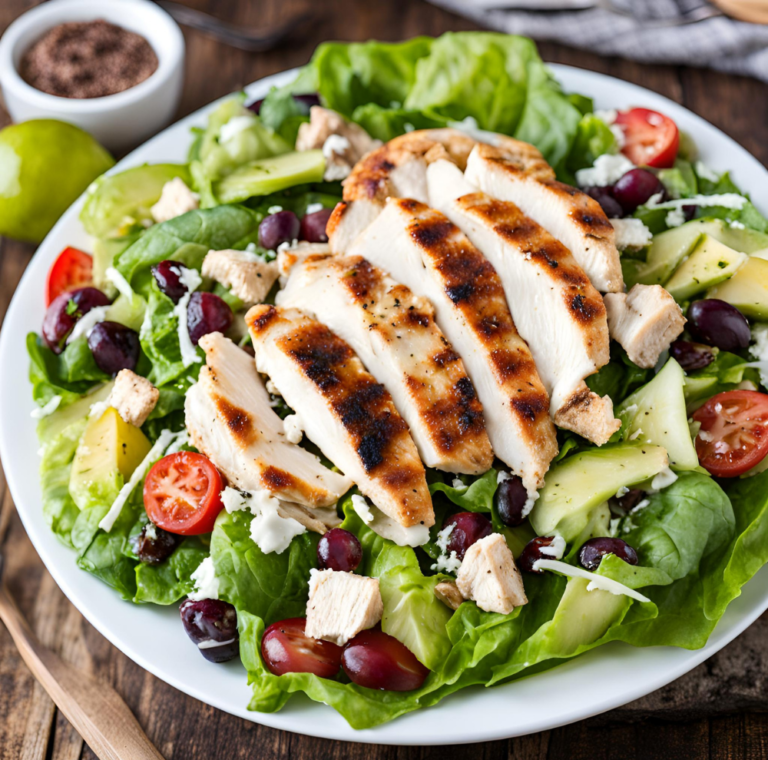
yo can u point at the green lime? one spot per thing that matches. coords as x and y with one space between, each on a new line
44 167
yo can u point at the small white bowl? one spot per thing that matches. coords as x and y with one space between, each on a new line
116 121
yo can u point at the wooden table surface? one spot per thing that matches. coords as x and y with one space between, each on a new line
719 710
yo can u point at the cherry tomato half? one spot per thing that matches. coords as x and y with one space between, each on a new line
285 648
181 494
650 138
734 432
72 269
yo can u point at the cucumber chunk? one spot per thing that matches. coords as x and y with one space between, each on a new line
577 485
269 175
747 290
665 254
656 414
710 263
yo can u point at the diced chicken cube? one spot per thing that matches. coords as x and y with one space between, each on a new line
489 576
341 605
644 321
247 275
134 397
342 142
448 593
175 200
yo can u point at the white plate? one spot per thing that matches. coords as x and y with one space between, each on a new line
603 679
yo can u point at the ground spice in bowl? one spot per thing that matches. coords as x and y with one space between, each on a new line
88 59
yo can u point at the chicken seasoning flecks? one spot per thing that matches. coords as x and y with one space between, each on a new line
88 59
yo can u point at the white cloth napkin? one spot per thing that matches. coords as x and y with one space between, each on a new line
646 31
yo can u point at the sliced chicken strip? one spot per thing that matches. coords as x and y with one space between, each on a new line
423 249
555 307
398 170
395 335
343 410
230 420
288 256
570 215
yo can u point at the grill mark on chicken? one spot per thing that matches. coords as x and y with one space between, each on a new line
263 320
275 479
589 215
237 420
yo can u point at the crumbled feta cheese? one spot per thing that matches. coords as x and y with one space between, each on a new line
206 582
191 280
272 388
470 127
150 531
286 246
631 233
293 428
49 408
501 476
176 199
98 408
675 218
164 440
87 322
607 115
360 505
529 504
408 127
665 478
337 144
613 526
274 210
759 349
705 172
313 208
556 549
596 582
606 170
459 485
623 491
234 127
251 248
736 225
706 437
640 505
446 563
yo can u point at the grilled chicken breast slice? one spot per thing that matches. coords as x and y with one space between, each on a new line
421 248
568 214
398 169
343 410
230 420
394 334
555 307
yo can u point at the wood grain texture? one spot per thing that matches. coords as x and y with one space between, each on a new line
706 714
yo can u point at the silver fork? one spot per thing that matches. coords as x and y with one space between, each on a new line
244 38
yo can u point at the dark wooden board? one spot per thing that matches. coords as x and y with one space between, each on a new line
719 710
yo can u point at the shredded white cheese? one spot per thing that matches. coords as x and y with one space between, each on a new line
501 476
206 582
360 505
623 491
191 279
87 322
294 430
595 581
556 549
49 408
446 563
165 439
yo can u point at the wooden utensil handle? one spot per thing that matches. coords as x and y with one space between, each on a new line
96 710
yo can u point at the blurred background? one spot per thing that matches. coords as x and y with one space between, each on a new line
711 58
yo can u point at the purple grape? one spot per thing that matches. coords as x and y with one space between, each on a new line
65 310
339 550
282 227
718 324
168 277
532 553
313 226
604 196
114 347
689 212
212 625
635 188
207 313
511 497
593 551
154 545
468 528
691 356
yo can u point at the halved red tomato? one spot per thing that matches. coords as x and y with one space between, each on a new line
650 138
181 493
72 269
734 432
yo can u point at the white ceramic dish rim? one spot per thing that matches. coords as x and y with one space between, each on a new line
614 674
44 17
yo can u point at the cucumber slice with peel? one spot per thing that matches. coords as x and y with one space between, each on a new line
269 175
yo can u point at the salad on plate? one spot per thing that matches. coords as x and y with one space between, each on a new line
420 374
